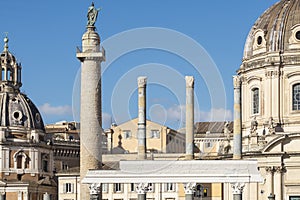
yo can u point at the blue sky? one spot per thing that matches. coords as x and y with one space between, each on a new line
44 36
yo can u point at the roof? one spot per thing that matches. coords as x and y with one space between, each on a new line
212 127
273 30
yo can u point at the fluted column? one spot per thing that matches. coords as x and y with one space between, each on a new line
237 190
237 130
189 152
189 189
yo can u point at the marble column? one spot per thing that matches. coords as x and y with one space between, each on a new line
237 190
141 190
90 105
237 129
95 191
189 151
142 81
189 189
270 171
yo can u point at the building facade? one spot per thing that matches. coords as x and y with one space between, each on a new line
26 168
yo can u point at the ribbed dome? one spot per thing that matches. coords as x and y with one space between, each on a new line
18 115
17 110
276 31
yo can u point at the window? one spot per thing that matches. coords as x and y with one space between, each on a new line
255 101
118 187
104 187
19 161
208 144
127 134
132 187
155 134
294 197
45 165
68 188
296 96
170 187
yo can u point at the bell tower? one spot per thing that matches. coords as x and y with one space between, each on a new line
10 76
90 103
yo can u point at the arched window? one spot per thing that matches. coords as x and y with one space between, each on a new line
255 101
296 96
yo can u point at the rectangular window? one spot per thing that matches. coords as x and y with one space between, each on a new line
132 187
104 187
127 134
118 187
294 197
155 134
255 101
170 187
68 188
45 165
208 144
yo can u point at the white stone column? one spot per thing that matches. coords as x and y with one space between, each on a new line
237 190
95 191
90 105
142 81
189 189
189 152
270 173
237 129
142 189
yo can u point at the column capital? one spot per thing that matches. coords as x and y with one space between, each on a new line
189 188
95 188
142 188
189 81
237 188
236 81
142 81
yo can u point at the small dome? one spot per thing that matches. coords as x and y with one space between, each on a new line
276 31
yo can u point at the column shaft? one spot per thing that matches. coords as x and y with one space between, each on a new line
142 197
90 106
237 130
142 118
189 118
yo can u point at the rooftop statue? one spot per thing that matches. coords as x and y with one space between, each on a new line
92 15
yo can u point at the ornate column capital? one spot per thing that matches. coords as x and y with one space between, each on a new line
189 81
95 188
189 188
236 81
142 81
237 188
142 188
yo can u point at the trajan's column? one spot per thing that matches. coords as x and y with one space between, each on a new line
90 105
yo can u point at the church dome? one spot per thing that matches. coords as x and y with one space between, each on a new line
19 117
276 31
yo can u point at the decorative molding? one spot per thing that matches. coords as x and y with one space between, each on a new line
142 81
236 81
189 188
189 81
237 188
142 188
95 188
